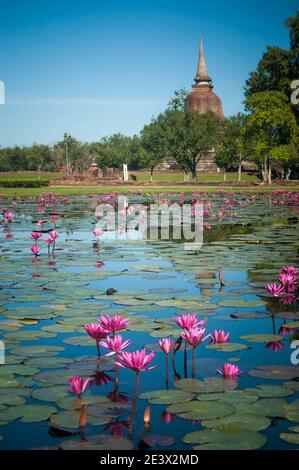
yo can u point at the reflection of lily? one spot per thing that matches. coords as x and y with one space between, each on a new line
137 361
167 417
285 330
117 428
194 337
100 378
274 346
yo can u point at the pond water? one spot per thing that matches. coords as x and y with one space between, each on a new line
45 302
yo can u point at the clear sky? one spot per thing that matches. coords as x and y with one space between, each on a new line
98 67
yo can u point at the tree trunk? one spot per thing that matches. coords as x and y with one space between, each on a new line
152 173
194 173
264 171
288 174
224 176
269 173
239 172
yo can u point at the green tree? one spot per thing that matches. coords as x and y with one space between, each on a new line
278 68
234 147
154 143
40 157
190 136
69 153
270 125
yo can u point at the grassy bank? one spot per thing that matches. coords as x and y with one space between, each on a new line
84 190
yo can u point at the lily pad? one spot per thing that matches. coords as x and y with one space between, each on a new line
272 391
99 442
230 437
261 338
289 437
249 421
165 397
37 351
227 347
278 372
49 393
208 385
201 410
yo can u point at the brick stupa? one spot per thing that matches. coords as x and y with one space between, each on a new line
202 98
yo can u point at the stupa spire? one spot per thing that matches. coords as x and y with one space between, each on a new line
202 73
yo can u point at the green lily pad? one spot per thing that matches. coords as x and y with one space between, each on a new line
289 437
208 385
74 403
272 391
50 393
230 437
164 397
263 338
48 362
227 347
237 303
53 377
99 442
277 372
201 410
28 413
37 351
238 396
292 385
292 415
249 421
28 335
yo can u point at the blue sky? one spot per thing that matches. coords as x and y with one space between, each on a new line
97 67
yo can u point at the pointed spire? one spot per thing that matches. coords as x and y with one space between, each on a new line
202 73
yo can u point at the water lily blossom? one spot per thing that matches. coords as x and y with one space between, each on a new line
194 336
36 235
230 370
113 324
8 216
96 331
166 344
35 250
54 234
115 344
219 337
275 290
78 385
137 361
188 320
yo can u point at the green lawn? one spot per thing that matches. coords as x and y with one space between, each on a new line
84 190
30 176
178 177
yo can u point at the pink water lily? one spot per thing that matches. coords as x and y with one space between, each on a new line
115 344
100 265
194 336
219 337
8 216
78 385
288 282
137 361
54 217
36 235
166 344
35 250
49 240
54 234
290 270
96 331
115 323
230 370
188 320
275 290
